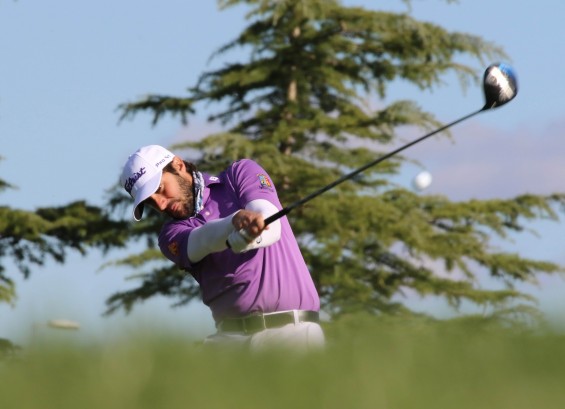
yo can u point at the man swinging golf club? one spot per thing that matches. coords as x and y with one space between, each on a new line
252 276
231 233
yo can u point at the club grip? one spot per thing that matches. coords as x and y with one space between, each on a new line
277 215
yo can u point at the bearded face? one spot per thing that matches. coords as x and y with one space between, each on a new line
182 206
174 196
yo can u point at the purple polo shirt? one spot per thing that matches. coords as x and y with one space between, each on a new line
273 278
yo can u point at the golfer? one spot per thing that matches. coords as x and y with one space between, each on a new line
253 277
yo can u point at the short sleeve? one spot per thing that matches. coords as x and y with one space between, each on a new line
252 182
173 241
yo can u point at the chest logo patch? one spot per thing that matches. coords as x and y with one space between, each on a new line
264 181
174 248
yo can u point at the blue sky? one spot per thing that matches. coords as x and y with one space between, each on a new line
66 66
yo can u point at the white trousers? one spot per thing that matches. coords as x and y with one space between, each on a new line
304 336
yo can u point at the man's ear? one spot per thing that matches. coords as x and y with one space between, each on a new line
178 164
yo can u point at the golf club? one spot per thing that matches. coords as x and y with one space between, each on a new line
499 86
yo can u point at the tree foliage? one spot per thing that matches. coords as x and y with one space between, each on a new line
303 105
30 238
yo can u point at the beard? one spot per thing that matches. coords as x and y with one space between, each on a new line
183 207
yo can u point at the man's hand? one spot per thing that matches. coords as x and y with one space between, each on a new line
249 224
248 227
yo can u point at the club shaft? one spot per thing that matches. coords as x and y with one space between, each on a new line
289 208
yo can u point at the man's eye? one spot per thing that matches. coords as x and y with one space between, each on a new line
150 202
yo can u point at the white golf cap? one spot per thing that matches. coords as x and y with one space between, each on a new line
142 173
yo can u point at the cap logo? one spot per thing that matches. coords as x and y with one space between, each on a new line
162 160
133 178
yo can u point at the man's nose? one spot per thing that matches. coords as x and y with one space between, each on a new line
160 201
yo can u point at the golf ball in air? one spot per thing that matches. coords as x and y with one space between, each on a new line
422 180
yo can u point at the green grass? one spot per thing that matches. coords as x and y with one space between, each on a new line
368 363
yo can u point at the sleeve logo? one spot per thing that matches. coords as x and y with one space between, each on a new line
264 181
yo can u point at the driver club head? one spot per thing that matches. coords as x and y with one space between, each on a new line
499 85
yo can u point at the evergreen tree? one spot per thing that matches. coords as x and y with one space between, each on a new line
298 106
30 238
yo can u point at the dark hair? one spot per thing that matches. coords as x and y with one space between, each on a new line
190 168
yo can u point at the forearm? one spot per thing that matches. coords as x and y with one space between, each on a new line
273 233
213 236
209 238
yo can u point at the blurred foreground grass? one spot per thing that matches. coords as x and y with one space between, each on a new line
369 363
